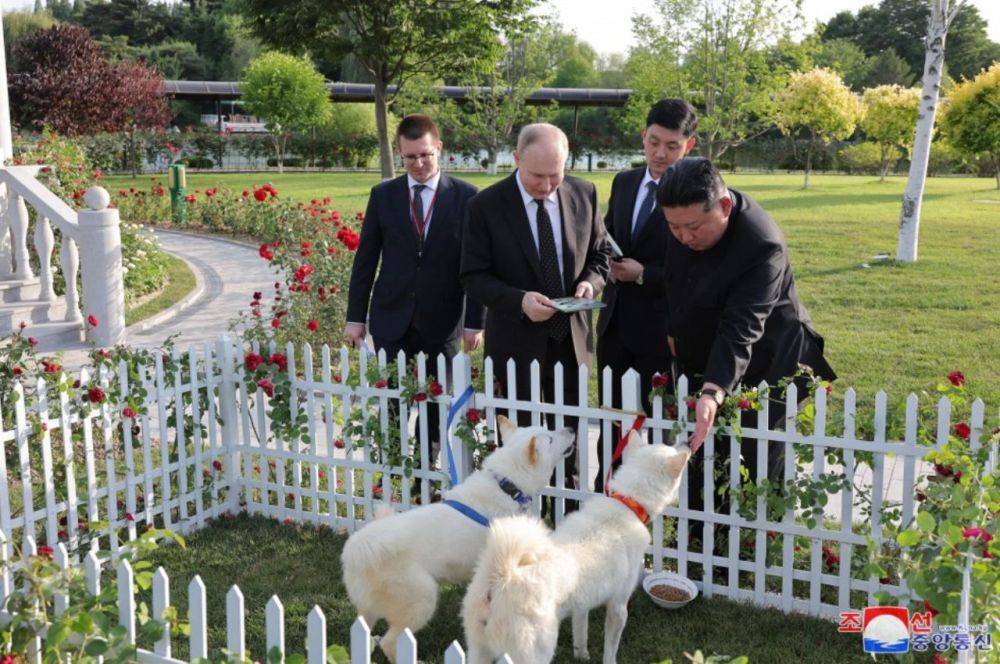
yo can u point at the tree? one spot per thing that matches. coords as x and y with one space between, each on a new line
288 93
720 50
971 117
818 102
392 39
64 82
847 59
20 24
941 16
887 68
889 118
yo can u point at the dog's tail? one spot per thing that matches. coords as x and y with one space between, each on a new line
512 592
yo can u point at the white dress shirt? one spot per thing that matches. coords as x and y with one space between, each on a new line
640 197
427 194
552 207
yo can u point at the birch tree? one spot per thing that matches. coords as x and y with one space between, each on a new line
942 14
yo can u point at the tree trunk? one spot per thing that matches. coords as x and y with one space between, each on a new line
885 162
809 155
909 216
996 168
131 146
491 162
382 127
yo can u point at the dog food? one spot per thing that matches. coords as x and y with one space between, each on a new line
670 593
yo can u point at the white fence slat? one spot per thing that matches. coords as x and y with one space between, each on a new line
236 641
126 429
847 503
682 494
878 476
316 636
557 396
406 648
274 626
51 519
60 601
23 431
161 601
161 413
126 600
181 436
214 443
310 409
92 572
423 435
198 615
230 429
294 445
361 642
787 553
197 443
345 411
763 518
454 654
149 471
111 472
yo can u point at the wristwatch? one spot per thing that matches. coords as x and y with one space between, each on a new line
718 396
638 280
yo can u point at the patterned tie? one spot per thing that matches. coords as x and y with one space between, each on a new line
559 323
645 209
418 208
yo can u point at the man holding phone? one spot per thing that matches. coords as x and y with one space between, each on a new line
632 328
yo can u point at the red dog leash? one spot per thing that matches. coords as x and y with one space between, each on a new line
622 442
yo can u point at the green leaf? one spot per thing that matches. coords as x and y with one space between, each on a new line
926 522
295 659
96 647
337 654
908 538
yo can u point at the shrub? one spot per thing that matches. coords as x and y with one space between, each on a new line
196 162
861 158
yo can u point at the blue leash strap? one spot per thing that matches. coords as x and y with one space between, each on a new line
452 469
468 511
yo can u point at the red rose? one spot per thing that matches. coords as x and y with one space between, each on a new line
45 551
376 490
129 517
190 198
435 389
381 383
265 252
95 395
302 272
280 360
943 471
288 520
660 380
128 412
267 386
829 389
419 396
92 320
32 341
246 194
930 609
217 465
957 378
691 403
18 371
313 325
339 443
252 361
744 404
276 323
963 430
473 415
260 195
977 533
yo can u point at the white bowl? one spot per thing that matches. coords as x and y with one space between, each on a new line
669 579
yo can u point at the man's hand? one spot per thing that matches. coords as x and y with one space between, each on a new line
585 289
626 270
537 307
471 340
354 334
704 418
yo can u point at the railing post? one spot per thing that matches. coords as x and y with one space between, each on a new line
228 394
17 220
100 245
461 379
6 269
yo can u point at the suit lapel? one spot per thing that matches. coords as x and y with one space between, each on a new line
401 203
521 228
438 222
567 210
623 215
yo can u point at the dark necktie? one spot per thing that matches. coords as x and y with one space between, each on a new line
418 209
559 323
645 209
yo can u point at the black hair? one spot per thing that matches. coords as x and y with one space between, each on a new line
415 126
674 114
691 180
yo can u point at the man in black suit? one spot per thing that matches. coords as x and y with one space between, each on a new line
413 226
734 314
632 328
530 238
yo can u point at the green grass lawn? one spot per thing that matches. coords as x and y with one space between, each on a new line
302 566
896 327
178 282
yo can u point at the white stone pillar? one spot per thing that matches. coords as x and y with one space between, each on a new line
100 246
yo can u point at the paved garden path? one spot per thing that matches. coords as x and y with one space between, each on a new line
227 274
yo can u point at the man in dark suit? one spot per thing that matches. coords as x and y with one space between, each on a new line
734 314
632 328
530 238
413 226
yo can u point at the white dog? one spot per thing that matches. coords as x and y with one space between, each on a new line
392 566
528 578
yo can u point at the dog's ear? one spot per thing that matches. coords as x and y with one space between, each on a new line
635 442
532 452
505 427
677 461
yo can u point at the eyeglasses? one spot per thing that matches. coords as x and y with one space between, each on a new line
414 158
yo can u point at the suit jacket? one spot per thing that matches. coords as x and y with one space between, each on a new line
500 263
735 315
639 312
422 290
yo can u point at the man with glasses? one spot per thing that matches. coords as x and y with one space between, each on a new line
413 227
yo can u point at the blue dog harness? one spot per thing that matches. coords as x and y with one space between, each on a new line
508 487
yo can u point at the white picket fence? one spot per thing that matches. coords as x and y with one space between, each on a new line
216 455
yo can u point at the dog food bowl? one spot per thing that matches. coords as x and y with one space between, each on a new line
674 588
